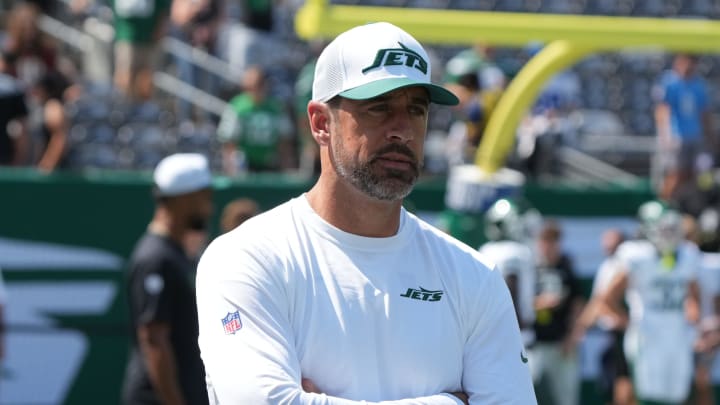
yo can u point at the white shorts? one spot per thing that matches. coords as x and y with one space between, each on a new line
661 364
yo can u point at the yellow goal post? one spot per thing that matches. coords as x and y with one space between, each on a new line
568 39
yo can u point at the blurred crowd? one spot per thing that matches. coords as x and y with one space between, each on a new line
91 84
82 83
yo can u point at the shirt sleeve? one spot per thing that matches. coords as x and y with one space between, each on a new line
253 360
152 293
496 369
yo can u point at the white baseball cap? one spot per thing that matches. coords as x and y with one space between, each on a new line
182 173
373 59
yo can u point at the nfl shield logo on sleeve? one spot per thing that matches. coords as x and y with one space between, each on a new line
231 323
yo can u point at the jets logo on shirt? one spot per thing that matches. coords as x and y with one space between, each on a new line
423 294
231 323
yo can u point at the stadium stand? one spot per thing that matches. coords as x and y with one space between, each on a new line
618 84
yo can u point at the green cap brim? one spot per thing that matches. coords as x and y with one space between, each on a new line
438 94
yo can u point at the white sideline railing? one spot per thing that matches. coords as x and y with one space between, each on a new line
200 58
67 34
84 42
587 167
190 93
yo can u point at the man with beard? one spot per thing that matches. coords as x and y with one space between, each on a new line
164 365
340 296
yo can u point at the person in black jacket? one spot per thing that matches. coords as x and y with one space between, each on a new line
165 365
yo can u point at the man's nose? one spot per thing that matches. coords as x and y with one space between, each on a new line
401 129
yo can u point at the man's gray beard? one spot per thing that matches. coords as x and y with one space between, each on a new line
393 187
396 185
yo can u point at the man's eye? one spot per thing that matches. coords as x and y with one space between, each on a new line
417 110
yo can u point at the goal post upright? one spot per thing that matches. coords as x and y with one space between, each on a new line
568 39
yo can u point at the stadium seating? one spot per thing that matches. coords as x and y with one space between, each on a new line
620 83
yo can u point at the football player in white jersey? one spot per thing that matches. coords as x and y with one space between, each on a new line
707 363
509 227
658 274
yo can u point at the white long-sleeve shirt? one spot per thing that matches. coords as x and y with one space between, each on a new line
401 319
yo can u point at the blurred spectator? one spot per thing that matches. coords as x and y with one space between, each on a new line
165 365
682 120
49 7
709 226
139 27
28 53
475 78
309 162
560 95
614 379
545 127
236 212
553 358
49 124
258 14
194 244
195 23
255 129
247 43
14 140
509 226
465 132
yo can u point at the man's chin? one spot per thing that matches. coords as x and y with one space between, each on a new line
391 189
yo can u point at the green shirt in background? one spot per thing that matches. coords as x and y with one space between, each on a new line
136 21
256 129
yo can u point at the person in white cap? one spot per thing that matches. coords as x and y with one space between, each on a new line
340 296
164 365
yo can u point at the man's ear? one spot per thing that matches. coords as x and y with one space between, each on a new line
319 115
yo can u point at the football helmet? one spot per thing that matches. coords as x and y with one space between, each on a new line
509 219
661 225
